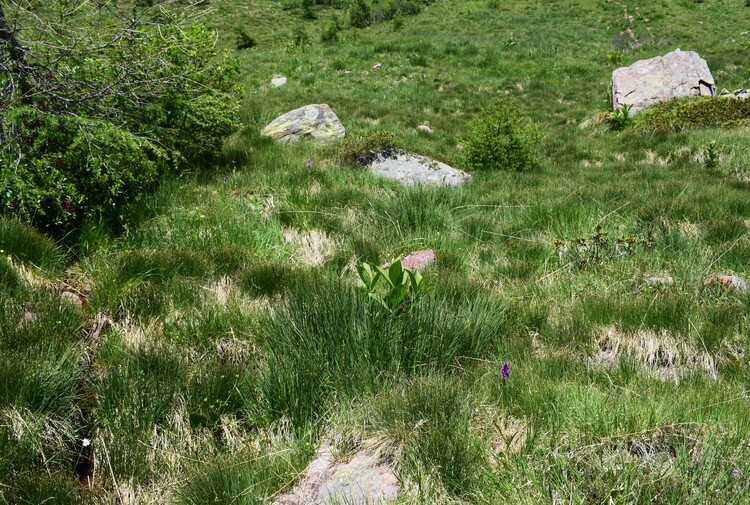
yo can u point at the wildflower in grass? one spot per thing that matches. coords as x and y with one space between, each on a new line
225 180
309 163
504 374
86 442
735 473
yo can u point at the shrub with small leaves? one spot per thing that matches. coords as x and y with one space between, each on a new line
361 151
502 139
360 14
695 112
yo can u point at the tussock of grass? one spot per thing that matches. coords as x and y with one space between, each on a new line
330 338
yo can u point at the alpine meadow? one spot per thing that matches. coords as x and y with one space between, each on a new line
374 251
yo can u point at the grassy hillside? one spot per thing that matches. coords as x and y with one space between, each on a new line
239 342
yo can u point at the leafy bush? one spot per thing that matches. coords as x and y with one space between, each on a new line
66 167
695 112
360 14
331 31
501 140
100 131
596 250
363 14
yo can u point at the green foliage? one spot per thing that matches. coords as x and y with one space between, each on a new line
244 40
596 250
614 58
620 118
68 167
246 479
27 245
360 151
360 14
327 338
94 137
300 37
695 112
331 31
404 287
307 9
501 140
429 419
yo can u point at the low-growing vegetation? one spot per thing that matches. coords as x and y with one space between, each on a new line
191 313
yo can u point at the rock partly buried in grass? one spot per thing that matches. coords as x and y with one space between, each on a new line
73 298
661 280
315 123
410 169
646 82
727 283
278 82
418 260
361 481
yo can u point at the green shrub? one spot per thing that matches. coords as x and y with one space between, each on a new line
363 14
66 167
695 112
331 31
501 140
96 136
360 151
360 14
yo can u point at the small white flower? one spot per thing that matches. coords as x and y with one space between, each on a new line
86 442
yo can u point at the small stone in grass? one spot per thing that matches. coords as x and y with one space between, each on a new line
728 283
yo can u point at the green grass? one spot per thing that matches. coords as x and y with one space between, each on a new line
240 342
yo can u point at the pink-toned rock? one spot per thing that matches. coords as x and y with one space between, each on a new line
418 260
728 283
646 82
363 480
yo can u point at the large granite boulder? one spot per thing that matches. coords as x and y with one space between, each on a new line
410 169
316 123
646 82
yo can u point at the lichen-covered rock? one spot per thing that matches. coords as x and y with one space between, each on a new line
316 123
646 82
410 169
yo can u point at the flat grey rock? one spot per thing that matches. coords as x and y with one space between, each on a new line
646 82
315 123
361 481
278 82
410 169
